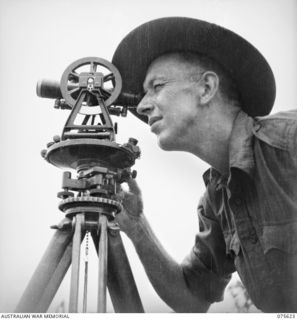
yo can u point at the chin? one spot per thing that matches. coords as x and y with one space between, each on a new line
167 144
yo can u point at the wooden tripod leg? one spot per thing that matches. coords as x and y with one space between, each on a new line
102 276
41 284
74 286
120 281
57 278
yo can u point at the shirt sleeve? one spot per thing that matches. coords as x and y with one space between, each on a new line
208 269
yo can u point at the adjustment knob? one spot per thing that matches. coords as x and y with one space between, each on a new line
56 138
133 141
65 194
43 153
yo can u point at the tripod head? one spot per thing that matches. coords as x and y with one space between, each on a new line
91 89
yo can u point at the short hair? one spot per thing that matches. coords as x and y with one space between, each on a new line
227 86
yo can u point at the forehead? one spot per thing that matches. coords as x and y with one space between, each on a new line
168 66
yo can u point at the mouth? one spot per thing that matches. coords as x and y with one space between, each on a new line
153 120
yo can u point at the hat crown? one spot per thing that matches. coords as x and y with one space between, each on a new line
242 61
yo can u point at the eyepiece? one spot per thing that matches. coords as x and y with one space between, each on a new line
128 99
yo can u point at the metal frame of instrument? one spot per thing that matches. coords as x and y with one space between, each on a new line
91 89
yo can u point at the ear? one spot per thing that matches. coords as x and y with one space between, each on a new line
208 86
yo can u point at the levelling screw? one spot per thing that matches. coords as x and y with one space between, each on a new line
133 141
56 138
43 153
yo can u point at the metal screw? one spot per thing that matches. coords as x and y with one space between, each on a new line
133 141
134 174
56 138
43 153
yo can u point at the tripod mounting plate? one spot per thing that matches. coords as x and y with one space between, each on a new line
73 154
87 204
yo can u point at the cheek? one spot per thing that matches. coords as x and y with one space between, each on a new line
178 110
182 116
169 105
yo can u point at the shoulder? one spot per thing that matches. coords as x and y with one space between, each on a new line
278 130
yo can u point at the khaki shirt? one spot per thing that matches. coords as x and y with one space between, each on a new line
248 220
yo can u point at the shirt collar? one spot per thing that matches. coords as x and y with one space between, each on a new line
241 155
240 150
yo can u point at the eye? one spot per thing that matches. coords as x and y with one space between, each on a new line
158 85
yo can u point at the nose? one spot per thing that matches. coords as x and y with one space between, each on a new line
145 106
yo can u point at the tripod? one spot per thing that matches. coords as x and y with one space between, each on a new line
94 215
88 201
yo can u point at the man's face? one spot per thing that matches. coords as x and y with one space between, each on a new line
171 101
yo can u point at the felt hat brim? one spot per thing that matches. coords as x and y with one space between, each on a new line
243 62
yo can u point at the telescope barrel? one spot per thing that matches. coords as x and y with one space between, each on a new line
47 88
128 99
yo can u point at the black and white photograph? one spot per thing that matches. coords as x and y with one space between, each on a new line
148 157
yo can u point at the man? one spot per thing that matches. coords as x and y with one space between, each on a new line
203 89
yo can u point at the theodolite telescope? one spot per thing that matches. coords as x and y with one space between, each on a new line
69 85
91 89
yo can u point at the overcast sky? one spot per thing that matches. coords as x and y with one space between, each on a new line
39 39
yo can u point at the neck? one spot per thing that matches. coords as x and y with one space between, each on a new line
220 158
